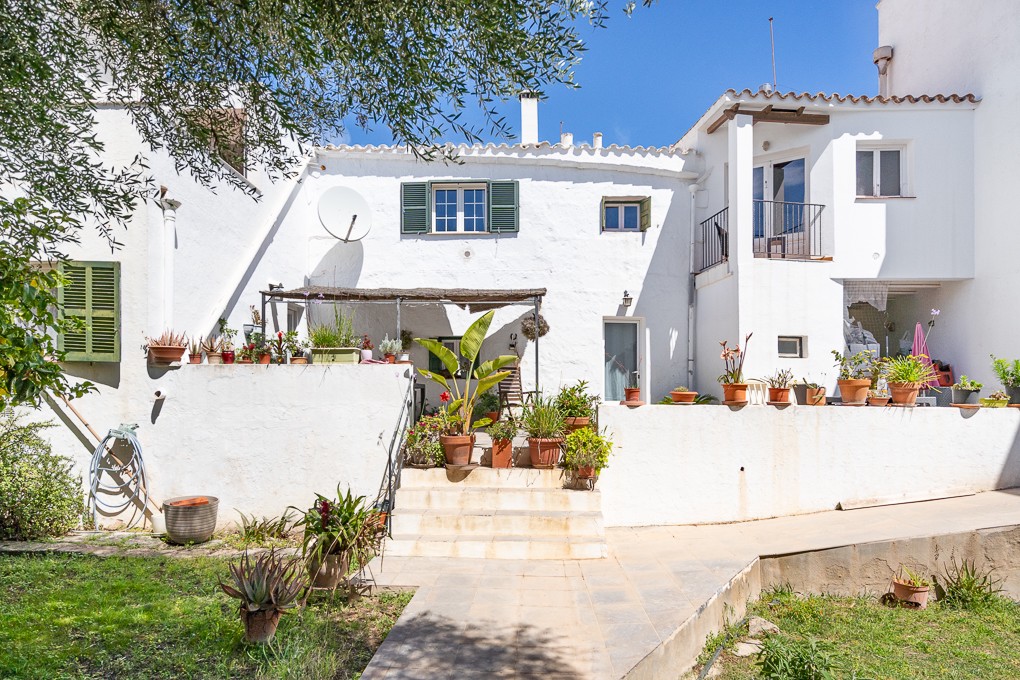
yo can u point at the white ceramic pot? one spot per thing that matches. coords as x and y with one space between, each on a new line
366 355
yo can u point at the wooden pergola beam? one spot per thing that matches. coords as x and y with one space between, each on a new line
770 115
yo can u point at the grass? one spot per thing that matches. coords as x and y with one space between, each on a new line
871 640
81 616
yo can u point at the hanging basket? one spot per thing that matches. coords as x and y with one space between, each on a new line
528 327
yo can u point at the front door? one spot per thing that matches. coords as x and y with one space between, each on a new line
622 357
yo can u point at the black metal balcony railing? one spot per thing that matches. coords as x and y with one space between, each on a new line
781 230
787 230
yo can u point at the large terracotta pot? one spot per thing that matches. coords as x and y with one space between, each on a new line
815 397
326 572
779 395
502 453
260 626
160 354
265 358
493 416
915 594
683 397
586 472
734 391
632 393
577 423
457 448
545 453
904 393
195 358
854 391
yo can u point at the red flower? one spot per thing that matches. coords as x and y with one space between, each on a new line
445 397
324 513
279 334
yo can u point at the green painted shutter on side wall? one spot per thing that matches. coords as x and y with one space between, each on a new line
92 294
415 216
646 213
504 207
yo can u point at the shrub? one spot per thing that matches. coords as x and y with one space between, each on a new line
574 401
783 658
587 448
39 494
968 587
421 446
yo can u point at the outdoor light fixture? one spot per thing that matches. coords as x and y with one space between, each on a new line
627 299
275 286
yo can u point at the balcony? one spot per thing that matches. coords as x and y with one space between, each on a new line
788 231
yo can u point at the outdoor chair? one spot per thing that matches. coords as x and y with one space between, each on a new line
757 392
511 392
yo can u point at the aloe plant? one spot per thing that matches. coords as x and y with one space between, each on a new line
486 376
269 583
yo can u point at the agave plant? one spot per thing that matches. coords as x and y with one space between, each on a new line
169 338
270 583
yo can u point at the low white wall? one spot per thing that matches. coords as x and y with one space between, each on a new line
260 438
703 464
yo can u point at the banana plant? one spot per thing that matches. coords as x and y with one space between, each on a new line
486 375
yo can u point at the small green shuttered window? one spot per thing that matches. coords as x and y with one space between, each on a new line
416 206
626 213
92 294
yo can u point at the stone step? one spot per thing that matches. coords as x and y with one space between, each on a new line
456 497
497 523
503 548
502 478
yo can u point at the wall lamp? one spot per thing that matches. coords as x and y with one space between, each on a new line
627 299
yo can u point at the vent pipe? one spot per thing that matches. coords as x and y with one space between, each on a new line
597 140
529 117
566 139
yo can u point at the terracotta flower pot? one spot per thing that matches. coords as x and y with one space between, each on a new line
632 393
457 448
195 358
683 397
299 360
265 358
326 571
815 397
545 453
854 391
390 358
502 453
586 472
229 357
159 354
878 401
907 593
213 358
260 626
577 423
779 395
904 393
734 391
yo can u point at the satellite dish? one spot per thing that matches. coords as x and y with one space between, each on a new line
345 214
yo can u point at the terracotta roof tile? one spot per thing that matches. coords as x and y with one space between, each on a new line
857 99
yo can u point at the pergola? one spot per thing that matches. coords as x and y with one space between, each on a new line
472 299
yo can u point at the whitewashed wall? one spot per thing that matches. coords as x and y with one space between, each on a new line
698 464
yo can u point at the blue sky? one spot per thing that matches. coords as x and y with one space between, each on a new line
646 79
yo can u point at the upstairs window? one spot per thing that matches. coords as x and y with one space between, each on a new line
880 172
447 207
458 208
626 213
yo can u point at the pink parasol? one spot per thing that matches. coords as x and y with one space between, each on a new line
920 349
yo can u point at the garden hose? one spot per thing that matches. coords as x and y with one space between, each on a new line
125 478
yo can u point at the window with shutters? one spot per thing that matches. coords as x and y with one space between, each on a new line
626 213
465 207
92 294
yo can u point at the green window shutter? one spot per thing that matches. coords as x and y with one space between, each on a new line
415 216
504 209
602 214
92 294
646 213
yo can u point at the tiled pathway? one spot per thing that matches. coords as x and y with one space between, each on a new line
473 618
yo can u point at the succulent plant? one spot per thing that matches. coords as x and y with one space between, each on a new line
269 583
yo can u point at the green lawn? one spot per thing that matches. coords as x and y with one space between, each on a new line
871 640
79 616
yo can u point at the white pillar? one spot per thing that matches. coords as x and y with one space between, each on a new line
740 137
529 118
169 245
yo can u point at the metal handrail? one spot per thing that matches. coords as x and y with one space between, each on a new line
714 240
787 230
395 462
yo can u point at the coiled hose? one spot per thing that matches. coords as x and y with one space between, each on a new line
125 479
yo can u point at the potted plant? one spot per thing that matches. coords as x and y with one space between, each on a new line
577 405
167 348
390 348
266 587
586 454
212 348
422 448
488 404
545 427
997 399
529 328
911 587
366 347
190 519
458 441
295 348
965 391
682 395
854 376
779 386
878 397
906 376
502 433
249 353
1008 373
338 532
732 379
335 342
227 342
195 351
632 392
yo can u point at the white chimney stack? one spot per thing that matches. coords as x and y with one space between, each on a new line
882 56
566 139
597 140
529 118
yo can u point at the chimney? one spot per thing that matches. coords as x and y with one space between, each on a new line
597 140
882 56
566 139
529 117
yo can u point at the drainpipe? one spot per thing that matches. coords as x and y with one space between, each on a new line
692 290
169 244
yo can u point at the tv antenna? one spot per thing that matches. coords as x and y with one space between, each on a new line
772 38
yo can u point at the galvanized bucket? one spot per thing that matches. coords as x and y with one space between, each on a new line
190 523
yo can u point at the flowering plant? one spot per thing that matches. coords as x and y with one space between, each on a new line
733 359
366 342
421 444
284 344
344 526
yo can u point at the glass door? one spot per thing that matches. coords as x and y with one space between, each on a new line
788 192
622 360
